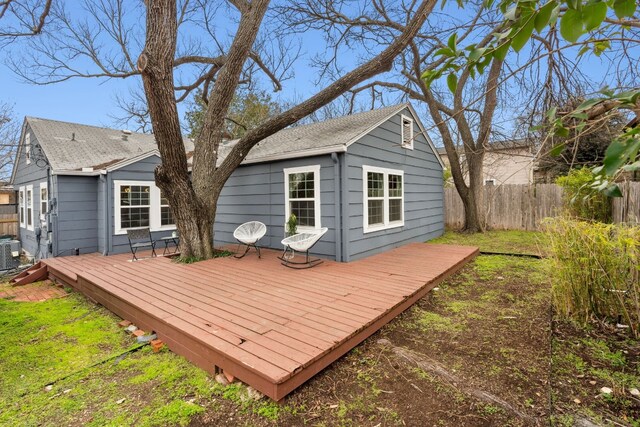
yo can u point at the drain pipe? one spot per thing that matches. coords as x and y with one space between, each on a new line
337 187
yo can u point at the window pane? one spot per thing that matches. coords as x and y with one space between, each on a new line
375 212
28 216
375 184
166 217
395 210
134 195
134 217
301 185
305 211
395 186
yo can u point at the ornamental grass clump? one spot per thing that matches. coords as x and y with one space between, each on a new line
595 270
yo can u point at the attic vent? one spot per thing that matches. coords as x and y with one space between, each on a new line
407 132
125 134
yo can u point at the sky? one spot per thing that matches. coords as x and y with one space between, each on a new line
93 101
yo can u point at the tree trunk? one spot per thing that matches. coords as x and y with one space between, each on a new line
193 199
473 199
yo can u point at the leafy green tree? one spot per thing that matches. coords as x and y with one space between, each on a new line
246 112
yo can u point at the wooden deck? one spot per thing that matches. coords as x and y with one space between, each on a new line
270 326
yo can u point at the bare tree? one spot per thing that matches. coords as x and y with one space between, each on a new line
464 111
172 67
9 134
22 18
465 131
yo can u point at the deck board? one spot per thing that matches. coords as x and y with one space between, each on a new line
270 326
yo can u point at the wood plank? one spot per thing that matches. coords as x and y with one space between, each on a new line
270 326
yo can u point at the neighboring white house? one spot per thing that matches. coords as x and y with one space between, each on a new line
505 162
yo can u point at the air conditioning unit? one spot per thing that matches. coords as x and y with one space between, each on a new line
9 254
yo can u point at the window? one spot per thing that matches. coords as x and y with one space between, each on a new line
489 182
29 204
166 217
135 206
21 206
27 147
140 204
383 191
302 195
407 132
44 200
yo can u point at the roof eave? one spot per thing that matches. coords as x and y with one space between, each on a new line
68 172
341 148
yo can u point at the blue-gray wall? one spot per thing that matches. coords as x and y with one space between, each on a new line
74 221
423 189
31 174
255 192
142 170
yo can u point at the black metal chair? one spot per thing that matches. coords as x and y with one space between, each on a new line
140 238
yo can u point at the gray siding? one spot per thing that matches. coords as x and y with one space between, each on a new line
423 189
255 192
77 214
31 174
142 170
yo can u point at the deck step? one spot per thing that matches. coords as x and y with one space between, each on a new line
37 271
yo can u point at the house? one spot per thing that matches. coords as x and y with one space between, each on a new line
373 178
505 162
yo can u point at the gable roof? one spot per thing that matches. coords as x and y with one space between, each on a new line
330 136
70 147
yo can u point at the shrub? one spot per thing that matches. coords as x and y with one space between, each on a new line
596 271
581 200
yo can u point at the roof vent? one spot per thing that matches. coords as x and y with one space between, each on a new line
125 134
73 136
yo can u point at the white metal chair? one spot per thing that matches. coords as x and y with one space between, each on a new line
248 234
301 242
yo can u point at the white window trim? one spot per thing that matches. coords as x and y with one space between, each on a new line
27 147
365 200
402 119
23 206
154 206
316 193
27 206
43 185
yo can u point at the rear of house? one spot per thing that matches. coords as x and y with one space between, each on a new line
373 179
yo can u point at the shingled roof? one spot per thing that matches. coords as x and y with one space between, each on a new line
72 146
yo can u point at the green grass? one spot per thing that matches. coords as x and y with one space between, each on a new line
497 241
46 341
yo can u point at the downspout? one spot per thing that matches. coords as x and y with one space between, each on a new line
337 187
105 181
345 208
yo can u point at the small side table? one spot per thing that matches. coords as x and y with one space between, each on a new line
167 240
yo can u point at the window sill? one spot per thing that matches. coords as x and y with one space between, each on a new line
374 228
153 230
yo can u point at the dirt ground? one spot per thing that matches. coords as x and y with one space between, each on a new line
491 327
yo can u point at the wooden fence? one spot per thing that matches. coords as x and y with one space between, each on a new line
8 224
522 207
